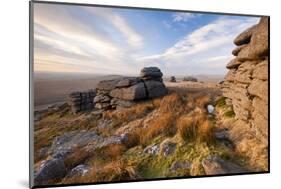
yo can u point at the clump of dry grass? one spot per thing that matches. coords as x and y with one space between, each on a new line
195 127
200 100
113 151
131 113
133 138
163 124
113 171
80 155
172 103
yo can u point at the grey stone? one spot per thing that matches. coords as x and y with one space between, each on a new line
126 82
152 149
173 79
236 51
101 98
52 169
107 84
167 147
233 64
245 37
135 92
214 165
152 72
63 145
190 78
155 89
179 165
79 170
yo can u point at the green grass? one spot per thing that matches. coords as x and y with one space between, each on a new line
221 102
229 114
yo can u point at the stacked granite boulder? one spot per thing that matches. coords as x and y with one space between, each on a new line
190 78
125 91
81 101
246 83
173 79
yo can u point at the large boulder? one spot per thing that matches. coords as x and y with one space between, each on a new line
53 169
127 81
155 88
214 165
151 73
135 92
107 85
173 79
245 37
190 78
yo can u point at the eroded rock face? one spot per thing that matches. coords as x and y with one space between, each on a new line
81 101
190 78
246 85
214 165
50 170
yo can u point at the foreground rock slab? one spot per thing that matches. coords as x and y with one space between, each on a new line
214 165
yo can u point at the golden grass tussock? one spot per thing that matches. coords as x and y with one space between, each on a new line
133 138
113 171
113 151
131 113
162 124
200 100
80 155
195 127
172 103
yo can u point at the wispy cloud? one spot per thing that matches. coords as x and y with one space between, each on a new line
183 17
102 40
68 35
210 43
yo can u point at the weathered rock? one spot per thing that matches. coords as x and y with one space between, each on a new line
173 79
233 64
259 88
222 134
104 105
101 98
230 76
81 101
261 71
107 85
236 51
155 89
180 165
190 78
259 41
167 147
246 89
210 109
214 165
245 37
51 170
64 145
126 82
151 72
152 149
260 125
135 92
260 105
121 103
79 170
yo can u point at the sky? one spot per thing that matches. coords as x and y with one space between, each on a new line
98 40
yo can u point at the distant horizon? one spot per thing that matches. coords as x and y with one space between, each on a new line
120 41
104 74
